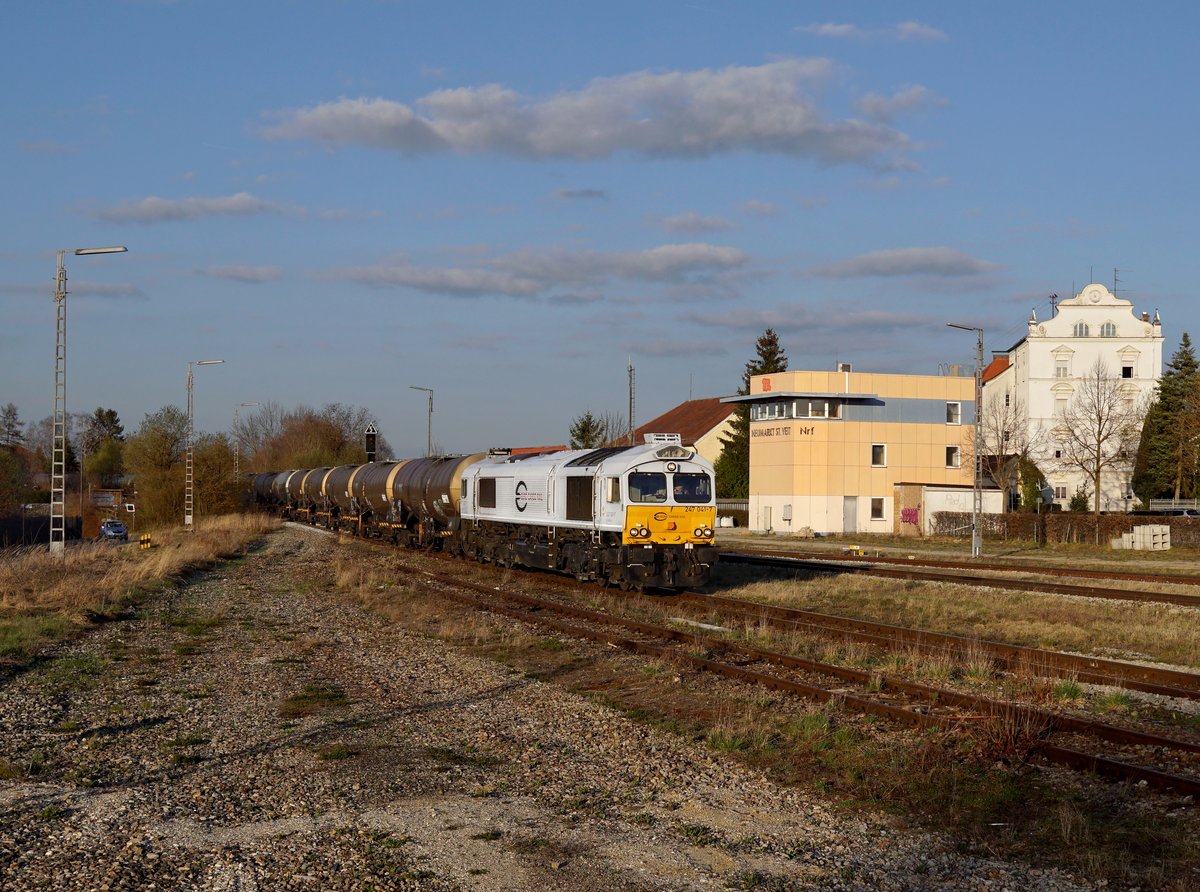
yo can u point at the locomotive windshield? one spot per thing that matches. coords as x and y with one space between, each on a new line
647 487
692 488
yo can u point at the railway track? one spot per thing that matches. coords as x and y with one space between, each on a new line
870 693
836 565
1009 657
1014 566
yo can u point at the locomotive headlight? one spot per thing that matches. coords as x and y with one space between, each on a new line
708 534
699 532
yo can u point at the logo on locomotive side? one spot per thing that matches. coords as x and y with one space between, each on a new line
520 497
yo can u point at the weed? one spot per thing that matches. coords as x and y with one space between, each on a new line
335 752
1115 701
187 758
51 812
67 726
760 881
487 835
187 740
312 699
78 673
700 835
1068 690
448 756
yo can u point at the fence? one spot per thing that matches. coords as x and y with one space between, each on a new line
1062 526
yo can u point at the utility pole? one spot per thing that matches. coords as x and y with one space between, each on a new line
632 397
189 471
429 420
237 440
58 454
977 501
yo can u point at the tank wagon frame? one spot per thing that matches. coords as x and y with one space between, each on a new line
632 516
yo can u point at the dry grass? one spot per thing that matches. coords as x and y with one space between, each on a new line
1159 632
44 599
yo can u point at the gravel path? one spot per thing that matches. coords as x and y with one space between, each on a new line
254 732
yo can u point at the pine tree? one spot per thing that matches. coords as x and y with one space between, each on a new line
1166 465
587 432
733 467
10 426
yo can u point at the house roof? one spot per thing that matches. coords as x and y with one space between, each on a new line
994 368
691 420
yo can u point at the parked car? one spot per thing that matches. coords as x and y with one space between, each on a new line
114 529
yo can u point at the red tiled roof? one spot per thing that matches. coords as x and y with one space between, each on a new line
994 368
691 420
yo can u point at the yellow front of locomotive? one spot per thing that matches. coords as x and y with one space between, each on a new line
669 501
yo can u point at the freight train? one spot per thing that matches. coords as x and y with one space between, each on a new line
632 516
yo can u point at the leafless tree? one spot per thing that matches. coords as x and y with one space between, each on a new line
1006 440
1098 432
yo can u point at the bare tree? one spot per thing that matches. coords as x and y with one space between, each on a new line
1006 440
1098 431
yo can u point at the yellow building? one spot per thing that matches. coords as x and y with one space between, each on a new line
828 449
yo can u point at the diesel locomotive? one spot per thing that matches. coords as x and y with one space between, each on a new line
631 516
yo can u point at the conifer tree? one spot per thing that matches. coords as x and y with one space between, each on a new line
1166 464
733 467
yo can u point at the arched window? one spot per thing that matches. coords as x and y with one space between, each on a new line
1081 330
1108 330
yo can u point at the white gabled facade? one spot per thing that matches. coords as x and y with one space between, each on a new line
1045 367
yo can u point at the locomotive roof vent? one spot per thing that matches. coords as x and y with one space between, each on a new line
673 452
664 438
499 450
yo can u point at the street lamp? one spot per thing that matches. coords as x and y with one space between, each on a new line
977 501
237 439
188 525
429 422
58 460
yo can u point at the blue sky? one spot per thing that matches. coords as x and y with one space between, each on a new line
508 201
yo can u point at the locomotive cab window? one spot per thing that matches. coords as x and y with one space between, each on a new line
487 492
647 487
692 488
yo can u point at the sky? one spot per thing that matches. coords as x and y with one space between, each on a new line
511 202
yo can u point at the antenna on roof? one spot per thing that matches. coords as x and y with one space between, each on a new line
1054 303
1115 280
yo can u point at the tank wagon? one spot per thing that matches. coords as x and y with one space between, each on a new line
633 516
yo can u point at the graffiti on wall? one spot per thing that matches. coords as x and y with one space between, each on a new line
911 515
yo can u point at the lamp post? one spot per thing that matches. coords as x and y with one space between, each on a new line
58 459
237 439
429 422
977 501
188 479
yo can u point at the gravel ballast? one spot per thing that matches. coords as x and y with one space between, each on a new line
254 731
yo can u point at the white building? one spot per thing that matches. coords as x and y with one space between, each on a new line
1042 371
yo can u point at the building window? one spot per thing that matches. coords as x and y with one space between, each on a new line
1080 330
1062 368
1108 330
876 509
1060 407
953 457
878 455
1126 371
1058 453
1007 400
953 413
1060 492
770 411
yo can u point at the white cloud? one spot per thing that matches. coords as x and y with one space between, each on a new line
940 262
902 31
885 108
770 108
156 210
693 222
533 273
248 274
760 208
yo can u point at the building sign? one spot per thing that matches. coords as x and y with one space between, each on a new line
786 430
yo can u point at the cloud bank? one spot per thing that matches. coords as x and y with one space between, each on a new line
532 274
157 210
253 275
940 262
902 31
769 108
